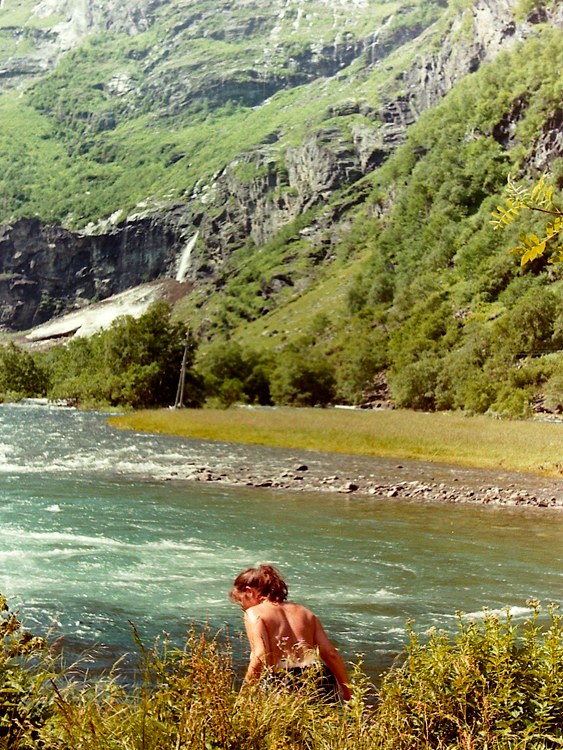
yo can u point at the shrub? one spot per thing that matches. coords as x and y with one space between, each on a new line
303 379
25 669
233 374
21 375
415 384
529 327
493 686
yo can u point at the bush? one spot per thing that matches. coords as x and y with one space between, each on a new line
233 374
187 699
25 669
494 686
303 379
415 385
21 375
529 327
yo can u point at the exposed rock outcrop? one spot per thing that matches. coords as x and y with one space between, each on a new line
56 26
45 270
549 145
475 36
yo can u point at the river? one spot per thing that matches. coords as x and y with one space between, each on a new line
90 539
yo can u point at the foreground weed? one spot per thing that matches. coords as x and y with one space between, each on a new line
487 689
187 699
26 667
494 686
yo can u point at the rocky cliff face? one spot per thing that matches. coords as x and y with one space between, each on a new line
474 36
47 270
329 158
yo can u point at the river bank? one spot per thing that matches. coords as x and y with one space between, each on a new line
419 481
384 455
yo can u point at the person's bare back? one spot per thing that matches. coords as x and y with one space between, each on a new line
288 630
282 635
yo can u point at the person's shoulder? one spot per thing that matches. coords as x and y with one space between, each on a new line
254 613
299 609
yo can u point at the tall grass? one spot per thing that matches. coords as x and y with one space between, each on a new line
443 436
187 699
493 686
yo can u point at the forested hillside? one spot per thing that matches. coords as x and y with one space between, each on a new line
323 177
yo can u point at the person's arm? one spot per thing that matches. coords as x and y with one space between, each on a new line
259 646
332 659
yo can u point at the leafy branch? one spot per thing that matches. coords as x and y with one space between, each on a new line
539 200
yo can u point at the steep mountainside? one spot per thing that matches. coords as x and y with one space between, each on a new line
320 173
150 97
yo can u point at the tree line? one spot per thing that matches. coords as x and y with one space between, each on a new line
136 363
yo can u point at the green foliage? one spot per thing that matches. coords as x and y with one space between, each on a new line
539 199
358 353
232 374
438 299
186 699
127 118
136 363
303 378
21 375
494 686
25 669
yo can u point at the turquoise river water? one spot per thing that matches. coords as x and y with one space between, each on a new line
90 538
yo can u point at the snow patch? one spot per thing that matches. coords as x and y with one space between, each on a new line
89 320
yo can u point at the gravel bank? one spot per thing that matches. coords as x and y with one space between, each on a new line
312 471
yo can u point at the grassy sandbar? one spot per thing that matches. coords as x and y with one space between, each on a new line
448 437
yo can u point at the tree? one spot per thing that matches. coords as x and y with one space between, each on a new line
135 362
20 374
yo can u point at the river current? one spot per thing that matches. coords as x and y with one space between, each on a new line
91 537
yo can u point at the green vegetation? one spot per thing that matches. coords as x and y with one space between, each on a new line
538 199
134 363
432 297
495 685
135 121
26 699
396 277
448 437
21 375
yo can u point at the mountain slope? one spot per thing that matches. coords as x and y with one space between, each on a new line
322 182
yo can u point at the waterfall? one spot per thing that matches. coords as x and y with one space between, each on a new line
185 258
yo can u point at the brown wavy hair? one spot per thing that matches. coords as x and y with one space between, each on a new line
264 579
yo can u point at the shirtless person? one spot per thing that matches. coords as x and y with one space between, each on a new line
284 637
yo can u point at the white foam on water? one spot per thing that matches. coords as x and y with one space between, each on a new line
54 509
82 539
69 543
6 468
512 611
13 553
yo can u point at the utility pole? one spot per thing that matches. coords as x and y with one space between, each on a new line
179 403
